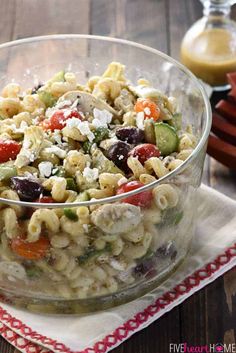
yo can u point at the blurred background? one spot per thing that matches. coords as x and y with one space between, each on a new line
158 23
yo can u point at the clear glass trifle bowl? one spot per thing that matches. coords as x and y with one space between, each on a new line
101 251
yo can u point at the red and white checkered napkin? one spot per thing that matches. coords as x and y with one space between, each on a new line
213 253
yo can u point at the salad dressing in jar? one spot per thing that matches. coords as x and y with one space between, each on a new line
209 47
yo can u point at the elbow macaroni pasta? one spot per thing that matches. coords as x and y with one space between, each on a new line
76 161
11 90
39 218
10 221
136 167
59 88
165 196
67 142
155 165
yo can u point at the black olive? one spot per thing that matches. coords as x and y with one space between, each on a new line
145 267
167 250
118 153
131 135
26 188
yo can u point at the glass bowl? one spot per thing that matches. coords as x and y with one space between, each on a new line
129 251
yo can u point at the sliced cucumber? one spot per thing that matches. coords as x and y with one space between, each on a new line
70 214
7 171
166 138
149 131
176 121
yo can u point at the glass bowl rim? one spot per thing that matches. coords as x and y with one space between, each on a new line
164 56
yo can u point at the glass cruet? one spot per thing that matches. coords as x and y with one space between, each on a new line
208 48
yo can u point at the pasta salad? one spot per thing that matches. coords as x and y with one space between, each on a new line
66 142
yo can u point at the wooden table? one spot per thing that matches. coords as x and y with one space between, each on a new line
209 316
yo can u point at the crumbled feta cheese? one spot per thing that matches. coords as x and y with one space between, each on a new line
56 150
140 120
26 144
54 170
90 174
82 126
66 112
101 118
23 125
57 136
21 129
73 122
85 130
63 104
50 111
27 155
147 111
36 120
122 181
45 169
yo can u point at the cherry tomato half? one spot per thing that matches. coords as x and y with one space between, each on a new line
144 151
142 199
30 251
58 120
9 149
45 199
148 107
30 210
